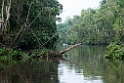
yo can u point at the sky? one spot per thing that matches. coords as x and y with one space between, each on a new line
74 7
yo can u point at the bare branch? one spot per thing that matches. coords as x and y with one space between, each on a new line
18 34
49 39
7 14
35 18
35 36
2 17
121 24
28 12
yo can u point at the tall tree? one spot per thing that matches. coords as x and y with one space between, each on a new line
98 26
31 23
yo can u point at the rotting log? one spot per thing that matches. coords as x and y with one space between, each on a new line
59 54
67 49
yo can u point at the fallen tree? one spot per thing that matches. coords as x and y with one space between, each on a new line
59 54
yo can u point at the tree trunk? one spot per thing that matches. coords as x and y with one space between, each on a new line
59 54
1 40
1 33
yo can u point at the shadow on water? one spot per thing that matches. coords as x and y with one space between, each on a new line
83 64
32 71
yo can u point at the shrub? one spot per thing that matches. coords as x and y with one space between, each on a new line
115 51
10 56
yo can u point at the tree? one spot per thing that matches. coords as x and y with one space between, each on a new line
97 26
31 23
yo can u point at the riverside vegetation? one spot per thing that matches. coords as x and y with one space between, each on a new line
99 26
31 24
27 25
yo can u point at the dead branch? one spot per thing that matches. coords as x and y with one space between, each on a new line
28 12
71 47
38 40
18 34
24 26
59 54
2 17
7 13
48 40
4 22
34 19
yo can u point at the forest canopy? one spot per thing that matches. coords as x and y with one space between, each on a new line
95 26
28 23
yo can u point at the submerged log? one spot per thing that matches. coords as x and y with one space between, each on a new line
59 54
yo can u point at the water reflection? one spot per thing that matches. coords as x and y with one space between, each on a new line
33 71
71 74
95 68
84 64
90 58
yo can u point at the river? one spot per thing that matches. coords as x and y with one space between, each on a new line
83 64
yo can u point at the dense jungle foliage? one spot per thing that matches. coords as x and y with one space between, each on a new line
28 23
95 26
99 26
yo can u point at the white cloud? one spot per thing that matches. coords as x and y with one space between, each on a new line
74 7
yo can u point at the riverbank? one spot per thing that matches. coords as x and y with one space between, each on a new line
8 54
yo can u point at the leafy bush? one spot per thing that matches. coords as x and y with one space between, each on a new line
115 51
7 54
10 57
